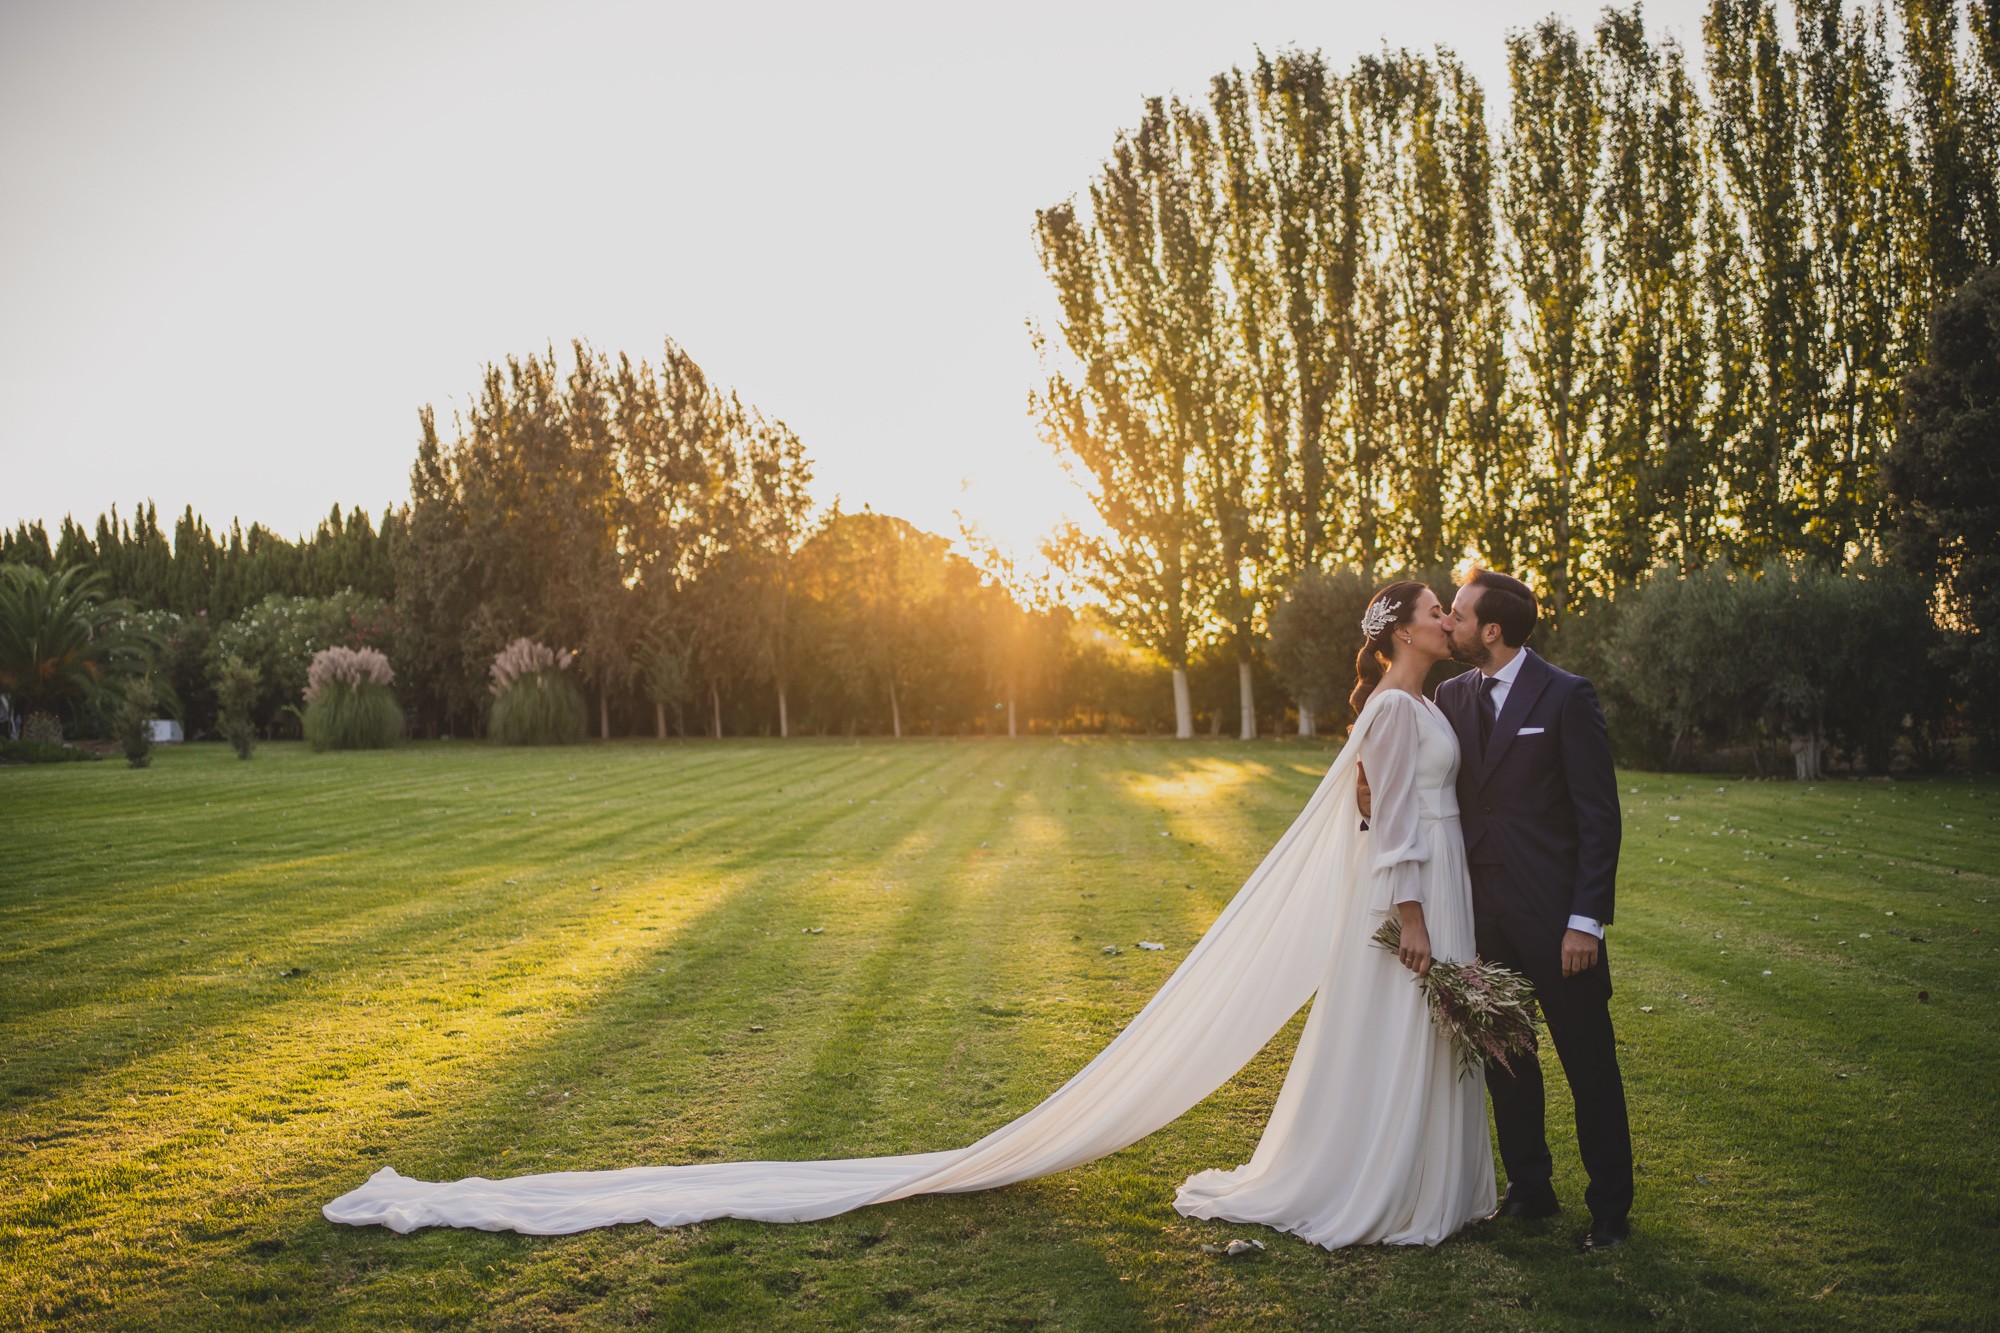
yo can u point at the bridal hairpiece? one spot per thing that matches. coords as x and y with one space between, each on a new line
1381 614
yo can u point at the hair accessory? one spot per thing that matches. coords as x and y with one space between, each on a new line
1381 614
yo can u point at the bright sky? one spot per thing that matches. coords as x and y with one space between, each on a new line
243 243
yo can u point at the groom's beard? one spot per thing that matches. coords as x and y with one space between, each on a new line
1474 654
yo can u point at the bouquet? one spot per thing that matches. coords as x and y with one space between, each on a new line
1488 1011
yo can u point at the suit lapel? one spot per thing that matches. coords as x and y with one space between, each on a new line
1464 715
1527 687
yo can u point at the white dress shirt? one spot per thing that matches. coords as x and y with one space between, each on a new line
1503 682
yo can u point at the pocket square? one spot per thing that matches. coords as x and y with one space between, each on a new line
1530 731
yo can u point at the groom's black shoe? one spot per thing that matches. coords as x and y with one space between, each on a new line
1606 1235
1528 1201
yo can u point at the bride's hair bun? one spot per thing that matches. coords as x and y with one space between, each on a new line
1392 605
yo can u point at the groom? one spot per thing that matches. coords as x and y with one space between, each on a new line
1539 805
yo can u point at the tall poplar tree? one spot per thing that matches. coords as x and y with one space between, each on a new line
1487 469
1156 387
1657 498
1371 395
1757 123
1983 81
1953 171
1295 201
1293 223
674 430
1856 185
774 478
1550 154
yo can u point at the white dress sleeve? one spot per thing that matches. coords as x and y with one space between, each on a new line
1398 850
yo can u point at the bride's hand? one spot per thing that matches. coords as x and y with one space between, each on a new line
1416 947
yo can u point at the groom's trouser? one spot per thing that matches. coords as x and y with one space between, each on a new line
1578 1009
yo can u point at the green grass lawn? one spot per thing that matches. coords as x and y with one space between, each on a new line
230 992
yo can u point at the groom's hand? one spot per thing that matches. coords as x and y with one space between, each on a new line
1579 952
1363 797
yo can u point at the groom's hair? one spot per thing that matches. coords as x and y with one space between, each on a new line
1507 602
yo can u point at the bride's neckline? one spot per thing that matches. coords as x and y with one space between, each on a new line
1430 705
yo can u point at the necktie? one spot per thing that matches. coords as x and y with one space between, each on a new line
1488 714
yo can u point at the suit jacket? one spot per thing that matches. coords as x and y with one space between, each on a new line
1540 798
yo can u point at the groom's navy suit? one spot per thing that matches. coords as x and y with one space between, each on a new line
1539 806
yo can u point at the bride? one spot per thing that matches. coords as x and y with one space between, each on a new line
1376 1136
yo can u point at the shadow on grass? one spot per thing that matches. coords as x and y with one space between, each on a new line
329 927
845 1082
418 920
1671 1272
663 1063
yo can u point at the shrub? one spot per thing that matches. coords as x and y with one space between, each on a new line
524 657
40 752
1110 681
1316 634
235 683
351 668
534 702
1801 655
279 635
42 729
1586 640
179 666
1944 492
61 644
543 709
348 703
133 723
363 717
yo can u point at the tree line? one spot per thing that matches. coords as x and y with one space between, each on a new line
1659 317
642 518
192 571
652 522
1320 328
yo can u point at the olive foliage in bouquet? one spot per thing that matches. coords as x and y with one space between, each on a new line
1486 1010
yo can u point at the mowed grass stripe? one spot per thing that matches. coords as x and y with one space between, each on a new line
174 1114
414 924
323 891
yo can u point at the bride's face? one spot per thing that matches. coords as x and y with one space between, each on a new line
1426 628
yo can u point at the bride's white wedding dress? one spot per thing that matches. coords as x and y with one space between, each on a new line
1375 1136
